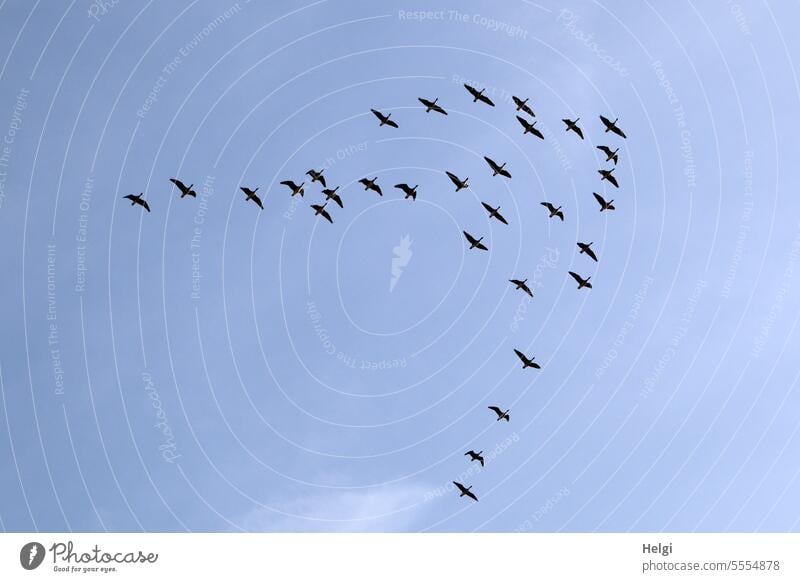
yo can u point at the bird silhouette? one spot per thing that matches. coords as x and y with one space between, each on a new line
475 243
185 190
612 126
500 414
460 184
371 185
383 118
317 177
553 210
332 195
478 95
465 490
603 204
581 281
526 361
494 213
606 175
409 191
473 456
530 127
320 210
497 169
522 285
137 199
585 248
522 105
251 195
611 156
294 187
432 106
573 125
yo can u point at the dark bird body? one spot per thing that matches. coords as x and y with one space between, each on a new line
611 155
460 184
465 491
530 127
384 119
581 281
137 199
497 169
554 212
586 249
478 95
294 187
494 213
522 105
501 415
319 210
474 243
573 125
602 202
526 361
251 195
332 195
317 177
185 190
408 190
607 175
522 285
612 126
432 106
371 185
473 456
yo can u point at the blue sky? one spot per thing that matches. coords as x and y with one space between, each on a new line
213 367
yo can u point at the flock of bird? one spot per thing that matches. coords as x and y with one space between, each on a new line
529 126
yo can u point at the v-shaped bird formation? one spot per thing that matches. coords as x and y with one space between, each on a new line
331 194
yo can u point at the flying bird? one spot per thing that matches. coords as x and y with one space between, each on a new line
612 126
320 210
478 95
497 169
553 210
500 414
573 125
332 195
371 185
521 285
384 118
185 190
465 490
460 184
137 199
606 175
530 127
317 177
431 106
473 456
409 191
602 201
494 213
585 248
581 281
526 361
610 155
251 195
475 243
294 187
522 105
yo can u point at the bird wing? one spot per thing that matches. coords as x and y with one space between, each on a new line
453 178
590 252
579 131
470 238
496 410
492 164
377 189
481 246
377 114
605 149
619 132
145 205
404 187
290 184
504 172
470 494
488 208
439 109
547 205
181 186
560 215
524 123
606 121
390 123
527 289
130 197
257 200
326 215
600 199
613 180
486 100
528 110
500 217
338 199
521 356
472 90
576 277
537 133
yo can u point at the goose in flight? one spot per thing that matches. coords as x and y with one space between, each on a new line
573 125
612 126
522 285
383 118
530 127
522 105
465 490
553 210
497 169
526 361
371 185
320 210
581 281
137 199
294 187
475 243
500 414
317 177
606 175
409 191
473 456
478 95
494 213
251 195
611 156
460 184
602 201
585 248
332 195
185 190
431 106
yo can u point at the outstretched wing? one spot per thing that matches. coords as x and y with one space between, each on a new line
576 277
145 205
600 200
612 180
181 186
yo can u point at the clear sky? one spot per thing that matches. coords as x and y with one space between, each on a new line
211 366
